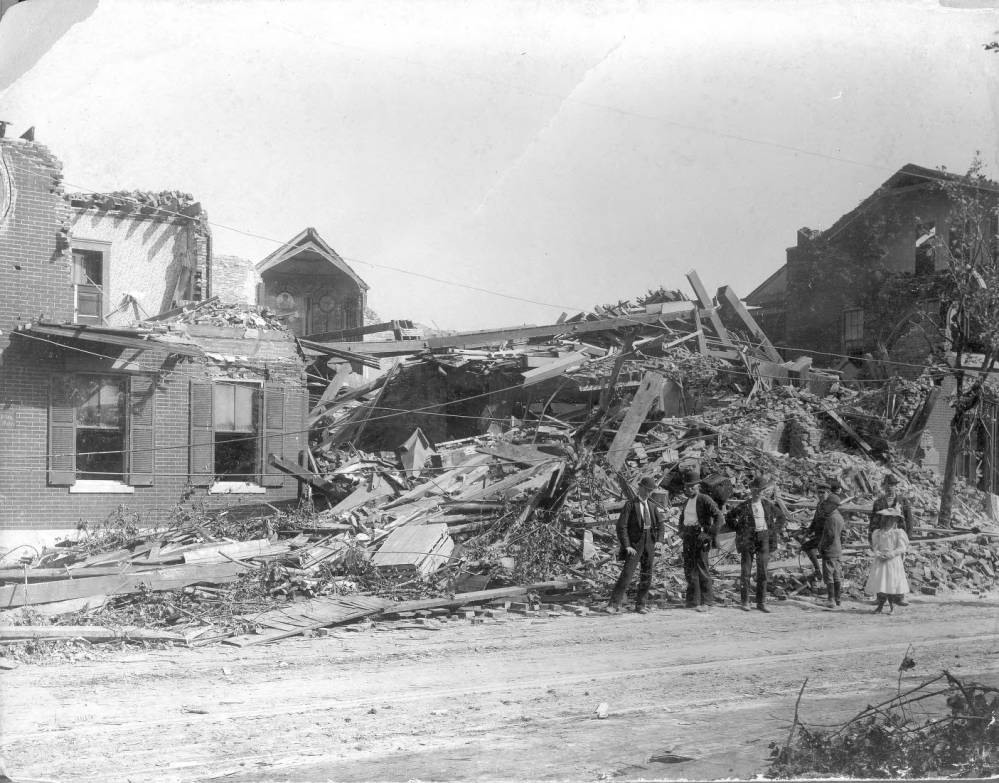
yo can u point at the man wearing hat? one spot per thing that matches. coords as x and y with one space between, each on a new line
757 523
831 546
639 530
700 519
890 498
827 501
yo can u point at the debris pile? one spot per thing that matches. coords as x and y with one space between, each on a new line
960 739
500 461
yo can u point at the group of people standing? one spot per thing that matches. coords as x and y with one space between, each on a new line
758 523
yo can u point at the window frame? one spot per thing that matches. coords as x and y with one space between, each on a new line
846 328
240 487
104 298
137 429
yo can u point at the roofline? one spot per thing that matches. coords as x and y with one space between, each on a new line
766 282
298 243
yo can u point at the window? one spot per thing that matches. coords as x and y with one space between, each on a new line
926 235
236 414
101 432
89 267
853 330
235 427
100 428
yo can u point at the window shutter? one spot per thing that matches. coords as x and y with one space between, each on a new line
202 440
141 443
274 396
62 431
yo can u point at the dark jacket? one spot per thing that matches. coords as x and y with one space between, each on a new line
745 526
629 524
709 517
831 541
880 504
822 511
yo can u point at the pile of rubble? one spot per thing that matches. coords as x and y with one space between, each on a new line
555 430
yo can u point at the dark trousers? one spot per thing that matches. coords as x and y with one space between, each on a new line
696 569
760 549
645 556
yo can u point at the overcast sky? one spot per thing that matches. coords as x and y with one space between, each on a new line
569 153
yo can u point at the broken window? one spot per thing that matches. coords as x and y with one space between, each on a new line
853 331
88 283
926 234
236 417
100 428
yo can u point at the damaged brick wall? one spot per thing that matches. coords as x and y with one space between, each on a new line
35 275
234 279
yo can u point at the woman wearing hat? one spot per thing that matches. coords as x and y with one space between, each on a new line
890 498
887 578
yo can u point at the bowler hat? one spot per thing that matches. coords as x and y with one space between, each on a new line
758 482
648 482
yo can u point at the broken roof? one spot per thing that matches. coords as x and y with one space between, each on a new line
309 240
163 204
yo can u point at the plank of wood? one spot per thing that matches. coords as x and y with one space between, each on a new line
329 395
363 494
435 485
92 633
648 392
864 445
705 301
478 596
240 550
521 454
301 474
671 310
728 296
154 579
514 481
411 545
330 611
555 368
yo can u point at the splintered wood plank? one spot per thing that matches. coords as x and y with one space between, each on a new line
648 392
409 545
329 611
705 301
727 295
520 454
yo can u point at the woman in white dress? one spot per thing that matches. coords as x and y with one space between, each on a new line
887 578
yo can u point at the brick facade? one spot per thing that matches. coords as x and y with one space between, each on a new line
36 285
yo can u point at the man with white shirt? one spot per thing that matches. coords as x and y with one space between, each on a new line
757 523
700 519
639 531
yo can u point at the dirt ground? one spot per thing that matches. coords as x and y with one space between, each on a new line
689 695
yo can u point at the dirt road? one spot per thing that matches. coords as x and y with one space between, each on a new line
512 699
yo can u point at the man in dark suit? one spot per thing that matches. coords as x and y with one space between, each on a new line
700 520
639 531
890 498
758 524
827 501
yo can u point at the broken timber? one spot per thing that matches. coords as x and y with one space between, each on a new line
647 394
302 475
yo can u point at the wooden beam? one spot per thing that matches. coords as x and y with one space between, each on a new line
329 395
672 311
556 368
351 356
302 475
360 331
105 338
647 394
705 301
727 295
92 633
478 596
375 347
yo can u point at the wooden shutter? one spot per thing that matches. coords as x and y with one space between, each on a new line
62 431
273 441
141 442
202 439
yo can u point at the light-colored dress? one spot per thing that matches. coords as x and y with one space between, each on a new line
888 576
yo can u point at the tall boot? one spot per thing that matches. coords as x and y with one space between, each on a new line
881 603
891 603
830 596
836 590
744 595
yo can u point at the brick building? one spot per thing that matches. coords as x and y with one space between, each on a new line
108 399
871 287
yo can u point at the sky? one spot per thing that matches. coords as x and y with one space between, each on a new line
558 155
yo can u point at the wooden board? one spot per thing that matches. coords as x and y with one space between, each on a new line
129 582
526 455
422 548
648 393
237 550
93 633
308 615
